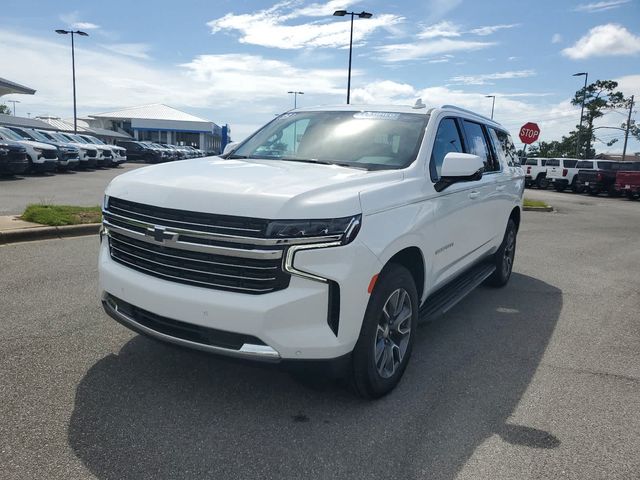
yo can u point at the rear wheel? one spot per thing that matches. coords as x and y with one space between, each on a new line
504 257
542 182
384 347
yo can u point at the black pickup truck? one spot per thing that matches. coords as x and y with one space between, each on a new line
597 176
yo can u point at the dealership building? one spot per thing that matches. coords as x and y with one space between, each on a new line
162 124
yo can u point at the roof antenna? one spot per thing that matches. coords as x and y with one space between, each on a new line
419 104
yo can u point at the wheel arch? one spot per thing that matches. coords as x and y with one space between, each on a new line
413 260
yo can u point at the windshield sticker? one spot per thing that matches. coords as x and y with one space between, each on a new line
377 115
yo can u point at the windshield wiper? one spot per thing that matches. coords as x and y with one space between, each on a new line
306 160
234 157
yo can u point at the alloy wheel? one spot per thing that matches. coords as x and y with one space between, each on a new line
393 332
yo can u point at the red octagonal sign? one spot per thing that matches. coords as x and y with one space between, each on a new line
529 133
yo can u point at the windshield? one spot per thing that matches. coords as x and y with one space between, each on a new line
372 140
62 137
95 140
77 138
10 134
38 136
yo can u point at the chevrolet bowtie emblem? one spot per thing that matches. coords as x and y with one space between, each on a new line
160 234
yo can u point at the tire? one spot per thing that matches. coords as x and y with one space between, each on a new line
504 257
542 182
394 292
559 188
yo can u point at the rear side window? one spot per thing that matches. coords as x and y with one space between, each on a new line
605 165
504 147
553 162
447 140
585 164
531 161
477 144
570 163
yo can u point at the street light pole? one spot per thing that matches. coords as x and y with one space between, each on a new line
342 13
626 132
295 98
584 96
14 105
493 104
73 71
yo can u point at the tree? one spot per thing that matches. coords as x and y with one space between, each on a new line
4 109
598 97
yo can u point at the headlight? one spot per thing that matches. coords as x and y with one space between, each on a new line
334 229
36 149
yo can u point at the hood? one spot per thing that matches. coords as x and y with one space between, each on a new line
34 144
254 188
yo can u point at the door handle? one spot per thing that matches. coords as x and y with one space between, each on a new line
474 194
500 188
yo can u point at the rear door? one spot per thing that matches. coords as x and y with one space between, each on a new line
554 169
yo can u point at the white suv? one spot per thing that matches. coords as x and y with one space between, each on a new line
325 236
562 173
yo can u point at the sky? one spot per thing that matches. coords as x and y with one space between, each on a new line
233 62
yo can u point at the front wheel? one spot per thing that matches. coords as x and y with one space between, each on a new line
504 257
384 347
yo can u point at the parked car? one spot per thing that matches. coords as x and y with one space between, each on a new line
628 180
323 237
178 153
138 151
536 172
601 177
118 154
13 158
88 154
42 157
105 154
562 173
68 154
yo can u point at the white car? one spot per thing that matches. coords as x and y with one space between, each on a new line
562 173
42 156
118 154
535 171
87 153
322 238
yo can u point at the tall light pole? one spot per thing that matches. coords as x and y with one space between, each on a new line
73 70
342 13
493 104
295 98
626 131
14 105
584 96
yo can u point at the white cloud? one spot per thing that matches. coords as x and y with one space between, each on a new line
412 51
557 38
72 20
483 79
267 27
440 29
491 29
135 50
600 6
604 40
437 9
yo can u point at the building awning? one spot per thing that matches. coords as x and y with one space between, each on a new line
24 122
8 87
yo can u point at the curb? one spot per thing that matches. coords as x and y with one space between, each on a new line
43 233
548 208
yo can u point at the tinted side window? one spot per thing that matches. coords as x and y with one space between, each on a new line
570 163
447 140
477 144
585 164
504 147
553 163
544 162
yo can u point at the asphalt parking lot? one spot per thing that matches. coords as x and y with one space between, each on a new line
537 380
77 187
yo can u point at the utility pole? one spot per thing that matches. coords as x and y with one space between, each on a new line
73 71
342 13
626 133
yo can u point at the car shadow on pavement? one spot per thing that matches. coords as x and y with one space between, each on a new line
154 411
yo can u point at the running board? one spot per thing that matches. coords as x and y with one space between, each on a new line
444 299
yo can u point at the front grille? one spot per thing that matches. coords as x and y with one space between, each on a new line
106 153
137 239
70 156
50 154
203 222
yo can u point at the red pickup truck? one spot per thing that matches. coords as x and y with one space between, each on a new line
628 180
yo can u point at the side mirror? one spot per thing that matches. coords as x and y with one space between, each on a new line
229 147
459 167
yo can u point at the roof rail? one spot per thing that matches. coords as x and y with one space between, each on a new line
469 111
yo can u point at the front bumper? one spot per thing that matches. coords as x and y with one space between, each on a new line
47 165
291 323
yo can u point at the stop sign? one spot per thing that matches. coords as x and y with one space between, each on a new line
529 133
